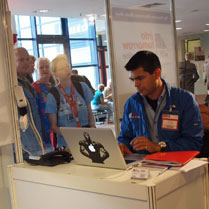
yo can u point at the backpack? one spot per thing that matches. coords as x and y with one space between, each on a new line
55 92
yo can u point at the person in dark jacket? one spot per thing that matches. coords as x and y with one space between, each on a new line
158 117
188 74
31 138
82 78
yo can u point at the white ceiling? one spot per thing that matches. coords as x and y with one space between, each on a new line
193 13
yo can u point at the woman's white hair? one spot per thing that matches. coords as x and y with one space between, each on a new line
37 63
60 62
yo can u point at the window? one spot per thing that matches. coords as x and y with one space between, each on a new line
23 26
83 52
91 73
48 26
50 50
50 36
28 44
81 28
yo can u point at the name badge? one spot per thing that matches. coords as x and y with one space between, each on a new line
170 122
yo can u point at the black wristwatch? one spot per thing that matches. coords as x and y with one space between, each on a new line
163 146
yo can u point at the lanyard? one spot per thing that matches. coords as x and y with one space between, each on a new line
71 103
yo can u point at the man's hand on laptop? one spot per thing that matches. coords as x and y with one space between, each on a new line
142 143
125 150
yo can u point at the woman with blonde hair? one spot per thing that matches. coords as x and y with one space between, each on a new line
69 104
98 102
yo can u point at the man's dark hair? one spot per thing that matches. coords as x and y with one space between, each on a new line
75 71
145 59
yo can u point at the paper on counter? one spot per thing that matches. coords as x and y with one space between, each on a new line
126 175
195 163
123 176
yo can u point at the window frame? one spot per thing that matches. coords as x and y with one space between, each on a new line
65 40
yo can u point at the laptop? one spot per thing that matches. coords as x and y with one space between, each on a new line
95 147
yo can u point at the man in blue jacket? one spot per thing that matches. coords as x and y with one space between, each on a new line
158 117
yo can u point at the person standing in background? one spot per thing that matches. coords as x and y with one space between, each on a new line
31 138
82 78
31 68
188 74
42 86
72 105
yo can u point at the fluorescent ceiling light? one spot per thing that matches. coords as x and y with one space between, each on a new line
177 21
178 28
207 24
206 30
91 15
91 18
43 10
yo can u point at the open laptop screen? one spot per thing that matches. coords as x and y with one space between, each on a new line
94 147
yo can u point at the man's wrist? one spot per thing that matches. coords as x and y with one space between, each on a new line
158 148
163 146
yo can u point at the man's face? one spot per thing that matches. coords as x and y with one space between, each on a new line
145 83
31 65
205 116
22 62
44 70
110 85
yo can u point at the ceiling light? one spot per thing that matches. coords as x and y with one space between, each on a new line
91 17
43 10
177 21
207 24
206 30
178 28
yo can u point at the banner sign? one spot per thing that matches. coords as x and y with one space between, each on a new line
134 30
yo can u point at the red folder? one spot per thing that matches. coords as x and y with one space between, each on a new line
177 158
